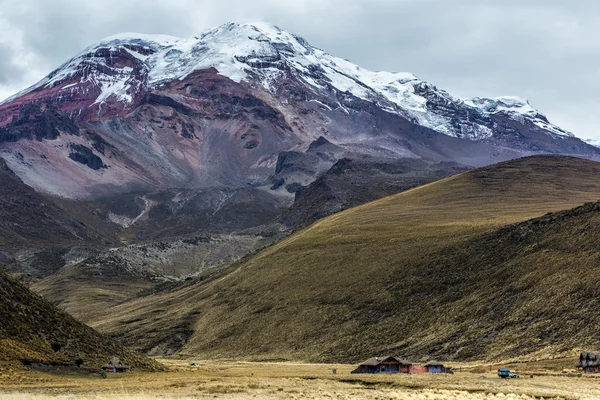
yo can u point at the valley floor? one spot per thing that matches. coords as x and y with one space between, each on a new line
307 381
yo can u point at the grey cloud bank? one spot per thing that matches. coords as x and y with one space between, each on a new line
542 50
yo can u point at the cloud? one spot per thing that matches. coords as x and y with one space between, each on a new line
543 50
8 69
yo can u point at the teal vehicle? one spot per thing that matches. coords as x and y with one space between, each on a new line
505 373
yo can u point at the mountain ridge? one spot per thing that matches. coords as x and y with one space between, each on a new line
167 58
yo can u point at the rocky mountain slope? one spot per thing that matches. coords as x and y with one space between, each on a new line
34 331
147 112
28 218
440 271
349 183
174 235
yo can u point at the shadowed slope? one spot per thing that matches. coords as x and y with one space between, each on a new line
408 274
33 330
29 218
349 183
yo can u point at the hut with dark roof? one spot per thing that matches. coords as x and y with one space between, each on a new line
589 361
385 365
115 365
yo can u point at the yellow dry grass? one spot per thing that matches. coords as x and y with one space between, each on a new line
209 380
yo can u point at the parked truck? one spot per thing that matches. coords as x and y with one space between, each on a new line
505 373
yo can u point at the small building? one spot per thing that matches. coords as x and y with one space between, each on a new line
589 361
418 369
385 365
115 365
435 367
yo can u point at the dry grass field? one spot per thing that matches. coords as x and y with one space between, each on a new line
228 380
426 273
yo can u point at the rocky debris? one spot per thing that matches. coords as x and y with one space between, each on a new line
86 156
38 121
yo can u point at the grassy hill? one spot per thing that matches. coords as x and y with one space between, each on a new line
444 270
349 183
33 330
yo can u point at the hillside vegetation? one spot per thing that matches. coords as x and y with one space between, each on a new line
444 270
33 331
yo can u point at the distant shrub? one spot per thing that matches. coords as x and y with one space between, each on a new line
56 346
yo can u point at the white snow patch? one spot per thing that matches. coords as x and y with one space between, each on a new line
518 108
116 87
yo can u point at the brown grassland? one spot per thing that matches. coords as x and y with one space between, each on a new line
439 271
239 380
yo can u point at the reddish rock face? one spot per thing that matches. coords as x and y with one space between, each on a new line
116 74
203 131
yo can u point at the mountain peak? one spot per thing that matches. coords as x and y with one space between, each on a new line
223 108
119 69
154 41
262 26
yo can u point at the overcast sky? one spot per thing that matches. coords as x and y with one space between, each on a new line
543 50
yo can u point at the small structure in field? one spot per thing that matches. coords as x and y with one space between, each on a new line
417 369
435 367
383 365
115 365
589 361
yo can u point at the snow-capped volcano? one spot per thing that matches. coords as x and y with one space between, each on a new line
262 54
227 107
